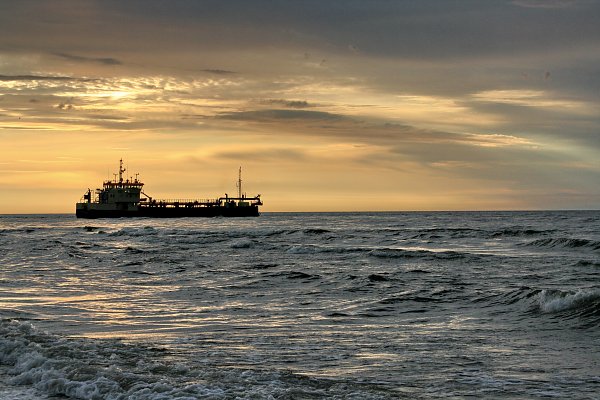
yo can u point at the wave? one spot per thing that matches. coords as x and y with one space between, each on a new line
416 299
295 275
587 263
427 254
107 369
581 302
134 232
520 232
135 250
419 271
315 231
566 243
208 236
301 275
242 244
507 298
383 252
464 233
71 368
378 278
314 249
438 233
17 230
263 266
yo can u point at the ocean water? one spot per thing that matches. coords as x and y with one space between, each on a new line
301 306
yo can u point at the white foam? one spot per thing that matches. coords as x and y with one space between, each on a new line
20 393
35 365
242 244
551 301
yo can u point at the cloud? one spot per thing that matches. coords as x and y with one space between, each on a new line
287 103
303 123
96 60
15 78
275 115
219 71
65 106
544 116
262 155
534 98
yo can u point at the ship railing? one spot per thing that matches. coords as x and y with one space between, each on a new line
189 203
125 184
252 200
182 201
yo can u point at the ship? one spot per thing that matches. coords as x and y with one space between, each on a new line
124 197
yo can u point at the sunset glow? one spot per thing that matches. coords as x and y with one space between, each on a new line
327 106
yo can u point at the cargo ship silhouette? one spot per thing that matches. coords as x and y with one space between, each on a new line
125 198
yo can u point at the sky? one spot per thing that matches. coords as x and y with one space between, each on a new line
326 105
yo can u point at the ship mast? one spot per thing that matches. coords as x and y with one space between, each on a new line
239 183
121 170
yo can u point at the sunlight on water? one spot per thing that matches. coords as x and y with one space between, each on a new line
325 305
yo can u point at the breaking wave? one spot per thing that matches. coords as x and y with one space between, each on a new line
81 369
108 369
583 302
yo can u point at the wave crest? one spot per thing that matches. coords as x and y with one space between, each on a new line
554 301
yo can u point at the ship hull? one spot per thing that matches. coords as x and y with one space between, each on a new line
169 212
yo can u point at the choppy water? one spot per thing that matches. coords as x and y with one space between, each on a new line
285 306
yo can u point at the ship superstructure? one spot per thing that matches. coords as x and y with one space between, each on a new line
123 197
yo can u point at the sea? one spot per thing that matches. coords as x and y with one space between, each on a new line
415 305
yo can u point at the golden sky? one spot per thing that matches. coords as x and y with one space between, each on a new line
327 106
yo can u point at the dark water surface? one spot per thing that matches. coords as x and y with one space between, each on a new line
307 305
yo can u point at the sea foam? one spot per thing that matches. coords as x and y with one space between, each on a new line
552 301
